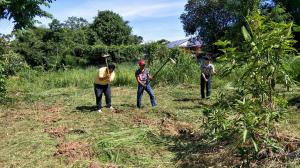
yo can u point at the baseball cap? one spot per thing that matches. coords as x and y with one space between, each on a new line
142 62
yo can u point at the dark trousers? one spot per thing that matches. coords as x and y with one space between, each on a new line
99 90
140 92
204 85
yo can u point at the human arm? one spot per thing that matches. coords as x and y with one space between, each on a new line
203 75
213 69
139 81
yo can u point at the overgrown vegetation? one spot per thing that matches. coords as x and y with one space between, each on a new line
256 107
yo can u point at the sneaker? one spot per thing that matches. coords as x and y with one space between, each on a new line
99 111
111 108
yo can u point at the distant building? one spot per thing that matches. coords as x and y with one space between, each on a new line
189 44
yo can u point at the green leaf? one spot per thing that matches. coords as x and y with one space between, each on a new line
245 135
254 144
246 34
296 28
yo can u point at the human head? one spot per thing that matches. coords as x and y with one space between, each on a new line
207 59
142 64
111 67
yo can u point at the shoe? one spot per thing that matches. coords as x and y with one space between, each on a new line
111 108
99 111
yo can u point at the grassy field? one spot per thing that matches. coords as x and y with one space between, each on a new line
51 121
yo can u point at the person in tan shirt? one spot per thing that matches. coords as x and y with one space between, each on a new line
102 82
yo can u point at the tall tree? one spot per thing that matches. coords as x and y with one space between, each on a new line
292 7
210 20
111 29
23 12
75 23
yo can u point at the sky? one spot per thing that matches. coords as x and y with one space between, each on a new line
151 19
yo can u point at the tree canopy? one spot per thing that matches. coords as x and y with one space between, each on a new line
111 29
23 12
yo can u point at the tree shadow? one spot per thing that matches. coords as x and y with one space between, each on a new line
191 107
128 105
192 151
86 109
186 99
294 102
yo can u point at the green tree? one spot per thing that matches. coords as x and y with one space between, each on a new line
75 23
292 7
111 29
259 59
211 20
23 12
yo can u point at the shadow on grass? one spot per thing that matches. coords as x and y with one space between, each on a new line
86 109
294 102
186 99
190 107
128 105
194 152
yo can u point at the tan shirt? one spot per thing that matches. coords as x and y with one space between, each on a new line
102 73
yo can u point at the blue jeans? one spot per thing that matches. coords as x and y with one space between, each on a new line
206 85
140 92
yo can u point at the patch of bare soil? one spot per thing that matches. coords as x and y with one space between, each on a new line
95 165
50 119
141 119
56 132
175 128
47 109
74 151
13 115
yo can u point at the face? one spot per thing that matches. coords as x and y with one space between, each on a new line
111 70
206 61
142 66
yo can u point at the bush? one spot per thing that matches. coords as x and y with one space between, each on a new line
2 83
185 70
13 63
295 67
118 53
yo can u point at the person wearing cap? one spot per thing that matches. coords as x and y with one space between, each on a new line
104 77
143 77
207 70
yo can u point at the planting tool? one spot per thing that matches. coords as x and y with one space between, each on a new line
168 60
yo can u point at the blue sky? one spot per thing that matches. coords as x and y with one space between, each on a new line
152 19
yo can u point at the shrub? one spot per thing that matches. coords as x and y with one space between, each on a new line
185 70
295 68
260 59
13 63
2 83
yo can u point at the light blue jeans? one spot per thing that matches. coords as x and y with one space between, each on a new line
140 92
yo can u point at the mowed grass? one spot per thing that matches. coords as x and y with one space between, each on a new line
63 102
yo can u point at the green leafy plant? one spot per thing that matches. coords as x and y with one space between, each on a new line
260 58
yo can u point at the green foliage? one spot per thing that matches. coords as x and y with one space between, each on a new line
2 82
186 69
295 68
23 12
13 63
261 56
250 116
111 29
212 20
